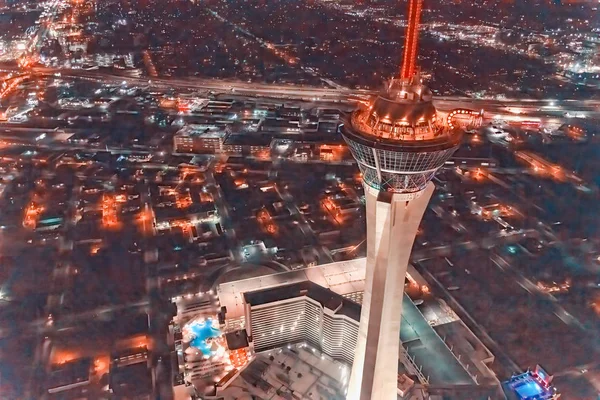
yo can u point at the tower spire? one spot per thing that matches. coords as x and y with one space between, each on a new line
409 60
398 145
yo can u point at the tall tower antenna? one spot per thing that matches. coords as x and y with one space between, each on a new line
409 60
399 143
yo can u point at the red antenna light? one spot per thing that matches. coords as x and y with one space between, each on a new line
409 61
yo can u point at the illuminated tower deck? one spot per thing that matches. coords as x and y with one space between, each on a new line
399 144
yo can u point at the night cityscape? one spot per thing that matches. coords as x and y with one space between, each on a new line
299 199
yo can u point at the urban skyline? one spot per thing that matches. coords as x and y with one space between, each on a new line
299 199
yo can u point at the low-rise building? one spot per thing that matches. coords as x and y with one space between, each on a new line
253 144
70 375
280 125
200 139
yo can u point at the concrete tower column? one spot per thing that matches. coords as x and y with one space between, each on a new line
392 223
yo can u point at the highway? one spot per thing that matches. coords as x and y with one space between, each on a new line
515 108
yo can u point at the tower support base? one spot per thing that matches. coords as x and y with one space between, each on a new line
392 223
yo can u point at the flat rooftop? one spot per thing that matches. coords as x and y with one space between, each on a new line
312 376
426 347
343 278
70 373
327 298
249 139
526 386
207 131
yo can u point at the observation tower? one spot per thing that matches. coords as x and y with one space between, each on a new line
399 144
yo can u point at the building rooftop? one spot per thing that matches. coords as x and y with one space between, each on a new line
70 373
237 339
207 131
248 139
131 380
530 385
345 278
170 213
328 299
403 112
342 277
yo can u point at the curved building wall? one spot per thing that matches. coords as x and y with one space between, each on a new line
288 321
397 171
302 319
340 335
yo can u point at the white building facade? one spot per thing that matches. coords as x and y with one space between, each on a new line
303 312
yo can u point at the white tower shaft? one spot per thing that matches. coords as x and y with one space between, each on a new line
392 224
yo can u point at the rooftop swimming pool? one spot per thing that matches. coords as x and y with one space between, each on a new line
202 332
529 389
528 386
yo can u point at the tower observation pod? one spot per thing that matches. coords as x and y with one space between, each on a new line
399 144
